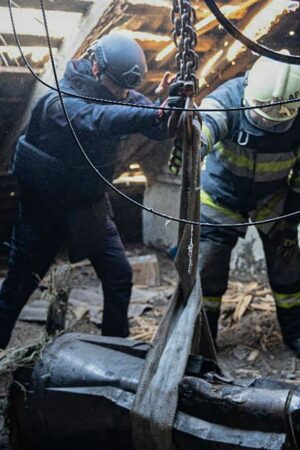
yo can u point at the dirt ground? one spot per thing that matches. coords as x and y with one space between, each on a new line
249 341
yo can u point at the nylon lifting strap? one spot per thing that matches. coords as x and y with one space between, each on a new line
183 329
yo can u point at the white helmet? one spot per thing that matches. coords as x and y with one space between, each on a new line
271 81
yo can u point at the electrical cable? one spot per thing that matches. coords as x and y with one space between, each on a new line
134 105
249 43
145 208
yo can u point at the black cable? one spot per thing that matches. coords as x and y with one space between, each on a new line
249 43
134 105
145 208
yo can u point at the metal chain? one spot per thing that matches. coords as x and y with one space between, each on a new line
185 39
183 17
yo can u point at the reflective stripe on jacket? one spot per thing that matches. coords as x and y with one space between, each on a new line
250 172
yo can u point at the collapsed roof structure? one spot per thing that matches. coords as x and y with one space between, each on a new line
167 357
74 24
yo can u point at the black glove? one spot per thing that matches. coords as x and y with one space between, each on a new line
175 160
176 98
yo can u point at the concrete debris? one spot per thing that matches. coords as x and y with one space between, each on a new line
89 301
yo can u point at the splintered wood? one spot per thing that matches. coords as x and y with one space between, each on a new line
144 328
239 299
253 296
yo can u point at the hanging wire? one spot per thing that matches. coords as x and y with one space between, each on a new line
108 183
249 43
136 105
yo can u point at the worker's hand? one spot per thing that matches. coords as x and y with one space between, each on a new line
288 240
174 101
163 87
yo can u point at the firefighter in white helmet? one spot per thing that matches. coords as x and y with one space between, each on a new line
270 82
251 171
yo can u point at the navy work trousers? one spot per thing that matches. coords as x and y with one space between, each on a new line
39 231
284 276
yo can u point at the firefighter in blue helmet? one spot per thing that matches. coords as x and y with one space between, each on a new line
251 171
61 197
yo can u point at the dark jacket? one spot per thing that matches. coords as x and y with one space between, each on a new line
247 171
47 158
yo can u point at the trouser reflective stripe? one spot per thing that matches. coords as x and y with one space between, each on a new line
215 252
216 212
287 301
284 276
212 303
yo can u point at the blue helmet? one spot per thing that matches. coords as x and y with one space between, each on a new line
121 58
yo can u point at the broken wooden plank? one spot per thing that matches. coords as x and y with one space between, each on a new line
242 307
147 7
66 52
15 71
28 40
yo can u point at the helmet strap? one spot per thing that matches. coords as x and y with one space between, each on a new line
96 69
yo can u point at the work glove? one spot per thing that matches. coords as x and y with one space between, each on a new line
175 160
175 99
287 240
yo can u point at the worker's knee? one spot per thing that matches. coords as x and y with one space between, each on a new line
214 267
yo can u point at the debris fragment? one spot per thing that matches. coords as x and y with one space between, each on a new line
253 356
242 307
145 270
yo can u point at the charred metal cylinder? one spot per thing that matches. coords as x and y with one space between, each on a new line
79 394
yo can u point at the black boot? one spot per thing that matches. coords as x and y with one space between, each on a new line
5 333
294 345
213 317
289 321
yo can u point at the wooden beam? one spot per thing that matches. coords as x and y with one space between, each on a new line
29 40
67 50
15 71
79 6
221 69
205 25
149 41
147 7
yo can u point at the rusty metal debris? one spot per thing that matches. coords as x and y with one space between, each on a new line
81 389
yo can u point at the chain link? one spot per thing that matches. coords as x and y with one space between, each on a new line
185 39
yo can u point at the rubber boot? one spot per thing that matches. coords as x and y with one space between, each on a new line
294 345
213 318
289 321
6 327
